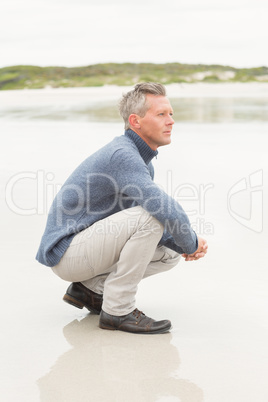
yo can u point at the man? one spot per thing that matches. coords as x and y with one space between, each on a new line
110 225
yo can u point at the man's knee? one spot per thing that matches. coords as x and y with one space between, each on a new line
166 256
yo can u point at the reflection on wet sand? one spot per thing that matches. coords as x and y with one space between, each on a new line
194 110
115 366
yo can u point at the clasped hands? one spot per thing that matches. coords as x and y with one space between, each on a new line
199 253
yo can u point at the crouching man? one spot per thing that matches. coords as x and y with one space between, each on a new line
110 225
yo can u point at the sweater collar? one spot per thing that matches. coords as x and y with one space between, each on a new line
145 151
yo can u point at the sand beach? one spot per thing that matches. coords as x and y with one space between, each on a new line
217 167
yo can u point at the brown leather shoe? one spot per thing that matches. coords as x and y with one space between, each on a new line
136 322
79 296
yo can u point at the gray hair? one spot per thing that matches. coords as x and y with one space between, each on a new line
134 102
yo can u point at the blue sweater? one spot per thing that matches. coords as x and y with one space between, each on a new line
118 176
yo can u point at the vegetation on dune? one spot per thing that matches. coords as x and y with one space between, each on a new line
32 77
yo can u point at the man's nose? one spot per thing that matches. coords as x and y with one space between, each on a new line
171 120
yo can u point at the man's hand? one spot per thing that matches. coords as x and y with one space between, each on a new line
199 253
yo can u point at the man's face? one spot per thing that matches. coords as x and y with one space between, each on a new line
156 126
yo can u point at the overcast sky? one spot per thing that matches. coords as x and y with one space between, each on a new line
83 32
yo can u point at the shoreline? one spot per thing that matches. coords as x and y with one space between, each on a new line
74 97
179 90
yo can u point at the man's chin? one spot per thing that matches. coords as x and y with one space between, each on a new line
166 142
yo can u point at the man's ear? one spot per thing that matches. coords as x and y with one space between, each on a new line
134 120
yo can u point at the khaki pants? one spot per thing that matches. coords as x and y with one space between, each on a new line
114 254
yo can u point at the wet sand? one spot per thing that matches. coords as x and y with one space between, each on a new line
217 349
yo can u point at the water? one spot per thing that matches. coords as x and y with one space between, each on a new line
186 110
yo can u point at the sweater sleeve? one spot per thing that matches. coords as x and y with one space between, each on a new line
135 183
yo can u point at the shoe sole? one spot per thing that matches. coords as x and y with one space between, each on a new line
78 304
160 331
